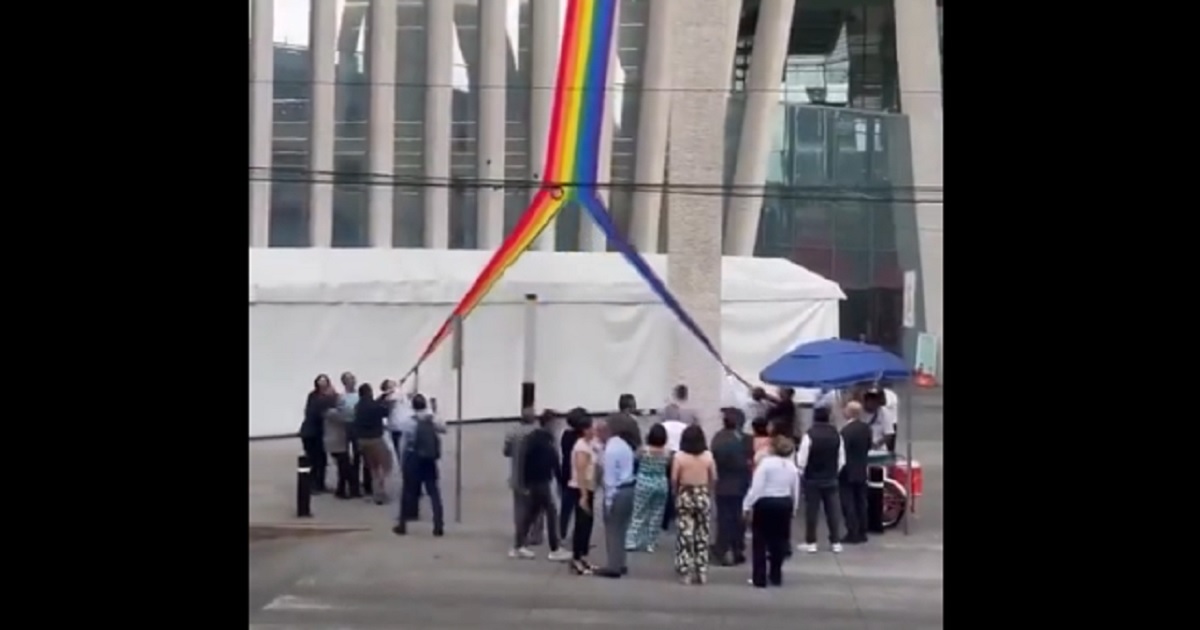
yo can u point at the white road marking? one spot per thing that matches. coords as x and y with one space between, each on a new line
292 602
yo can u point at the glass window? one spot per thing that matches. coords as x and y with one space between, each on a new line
289 142
852 225
852 268
350 223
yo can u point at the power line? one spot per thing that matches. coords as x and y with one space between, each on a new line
868 194
635 87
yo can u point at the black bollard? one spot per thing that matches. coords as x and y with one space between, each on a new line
875 499
303 487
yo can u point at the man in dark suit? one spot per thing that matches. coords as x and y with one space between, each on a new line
857 438
624 424
732 451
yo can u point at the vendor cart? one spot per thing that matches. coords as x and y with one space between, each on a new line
896 470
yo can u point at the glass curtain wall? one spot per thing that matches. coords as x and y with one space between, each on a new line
289 144
831 207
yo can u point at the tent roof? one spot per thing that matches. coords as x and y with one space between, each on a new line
436 276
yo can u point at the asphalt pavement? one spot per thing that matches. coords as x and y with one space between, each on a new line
351 572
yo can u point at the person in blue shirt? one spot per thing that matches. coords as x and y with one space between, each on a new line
619 485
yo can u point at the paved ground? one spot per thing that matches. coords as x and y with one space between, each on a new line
372 579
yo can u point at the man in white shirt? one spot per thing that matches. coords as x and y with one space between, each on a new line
674 427
676 417
880 419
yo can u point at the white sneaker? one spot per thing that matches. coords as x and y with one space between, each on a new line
808 548
522 553
837 547
561 555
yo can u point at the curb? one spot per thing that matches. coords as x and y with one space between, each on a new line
273 531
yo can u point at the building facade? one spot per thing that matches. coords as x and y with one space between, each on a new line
429 131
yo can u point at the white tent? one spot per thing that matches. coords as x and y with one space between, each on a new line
601 331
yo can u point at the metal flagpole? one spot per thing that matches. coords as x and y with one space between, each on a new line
458 402
908 453
909 321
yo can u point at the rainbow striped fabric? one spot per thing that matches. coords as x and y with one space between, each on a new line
572 154
571 169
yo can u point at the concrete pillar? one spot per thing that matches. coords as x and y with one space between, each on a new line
653 115
591 238
544 42
920 69
439 106
754 143
702 44
490 138
381 118
262 115
322 46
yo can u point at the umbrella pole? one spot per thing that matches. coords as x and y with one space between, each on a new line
908 452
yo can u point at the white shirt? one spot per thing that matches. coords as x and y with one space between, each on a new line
774 477
883 423
806 446
892 402
674 433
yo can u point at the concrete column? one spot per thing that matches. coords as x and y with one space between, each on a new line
701 62
591 239
754 143
544 43
653 115
381 118
262 115
920 68
490 138
439 95
322 46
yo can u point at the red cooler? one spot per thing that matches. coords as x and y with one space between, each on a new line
900 471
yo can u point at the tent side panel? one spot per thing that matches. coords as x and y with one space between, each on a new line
589 354
755 333
291 344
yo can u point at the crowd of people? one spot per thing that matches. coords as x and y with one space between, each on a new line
369 435
749 481
754 476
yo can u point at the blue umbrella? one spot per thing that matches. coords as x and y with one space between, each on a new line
834 363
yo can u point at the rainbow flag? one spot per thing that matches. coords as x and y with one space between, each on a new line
572 169
572 153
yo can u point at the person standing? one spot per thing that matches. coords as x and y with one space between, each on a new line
770 503
337 426
514 450
760 442
693 474
820 459
320 400
732 451
400 411
422 450
852 482
360 480
541 469
759 405
882 423
674 425
782 414
568 493
369 417
650 491
619 484
680 409
624 423
582 461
